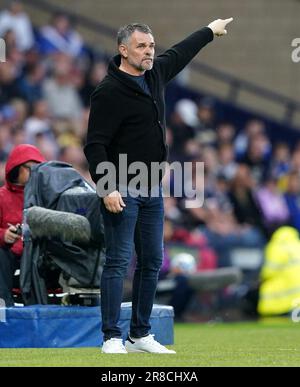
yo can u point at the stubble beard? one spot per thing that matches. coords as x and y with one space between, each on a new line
143 66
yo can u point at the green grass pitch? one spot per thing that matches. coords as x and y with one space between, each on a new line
272 343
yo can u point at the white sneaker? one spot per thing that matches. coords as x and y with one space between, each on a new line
145 344
113 346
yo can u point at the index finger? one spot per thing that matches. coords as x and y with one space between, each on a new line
121 202
228 20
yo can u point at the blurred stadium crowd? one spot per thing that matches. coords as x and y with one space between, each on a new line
252 186
45 85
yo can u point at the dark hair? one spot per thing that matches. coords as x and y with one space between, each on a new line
14 174
60 14
125 32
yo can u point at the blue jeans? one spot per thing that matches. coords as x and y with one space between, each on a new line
140 224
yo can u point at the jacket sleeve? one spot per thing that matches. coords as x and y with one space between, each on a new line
172 61
102 128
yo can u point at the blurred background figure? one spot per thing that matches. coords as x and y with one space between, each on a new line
17 173
60 93
60 37
279 291
14 19
292 196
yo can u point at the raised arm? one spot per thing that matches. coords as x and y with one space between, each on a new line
172 61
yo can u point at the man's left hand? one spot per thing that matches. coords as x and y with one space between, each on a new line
218 26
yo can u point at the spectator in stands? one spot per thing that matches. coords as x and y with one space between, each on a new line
60 37
275 212
17 173
60 93
210 158
7 128
94 77
17 135
242 198
292 197
225 133
227 164
16 20
74 155
206 133
10 43
295 161
31 84
4 139
281 159
252 128
257 157
15 58
234 223
20 112
38 123
183 122
206 112
48 148
9 87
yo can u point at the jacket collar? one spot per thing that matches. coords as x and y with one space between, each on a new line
115 72
14 188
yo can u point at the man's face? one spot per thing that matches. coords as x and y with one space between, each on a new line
139 51
24 173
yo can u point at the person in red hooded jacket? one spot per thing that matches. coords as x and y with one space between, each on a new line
17 173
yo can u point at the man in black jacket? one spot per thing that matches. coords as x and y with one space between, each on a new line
127 117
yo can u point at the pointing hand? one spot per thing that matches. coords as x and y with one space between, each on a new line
218 26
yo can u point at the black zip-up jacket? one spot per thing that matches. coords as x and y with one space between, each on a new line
125 120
